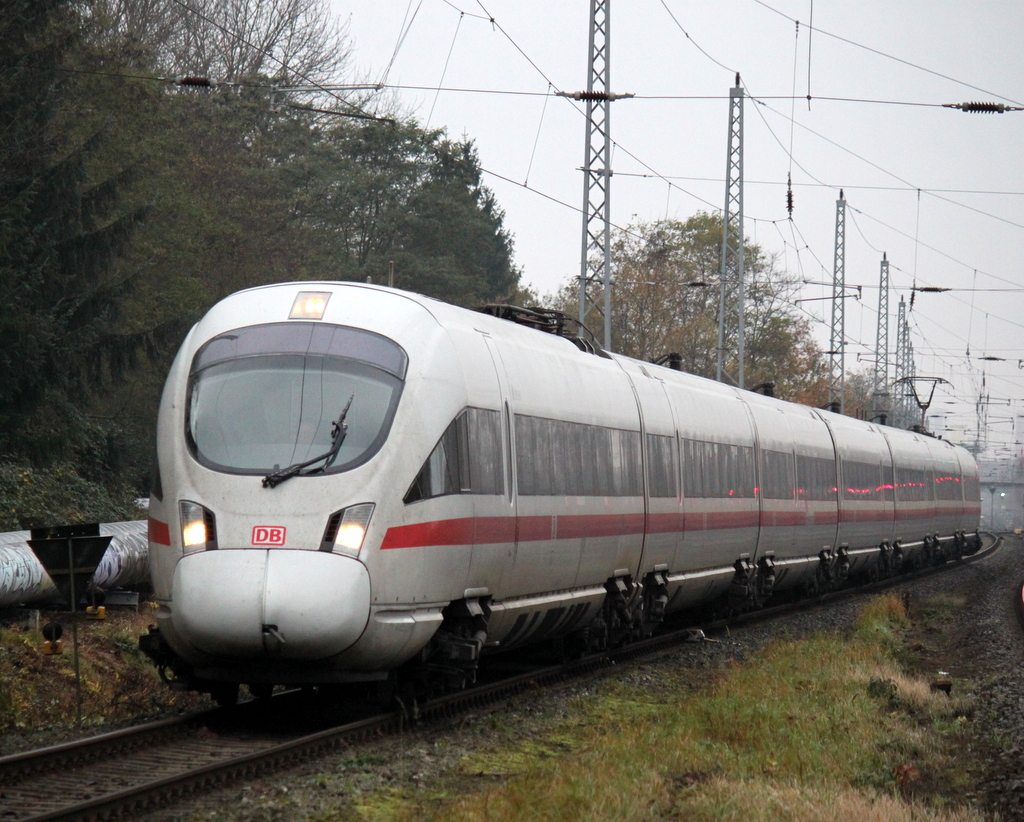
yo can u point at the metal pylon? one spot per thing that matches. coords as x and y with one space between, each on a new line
837 345
904 368
881 388
731 295
595 265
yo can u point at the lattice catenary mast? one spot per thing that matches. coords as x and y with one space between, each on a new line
881 396
731 295
595 265
904 370
837 346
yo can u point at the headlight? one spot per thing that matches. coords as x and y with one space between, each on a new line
198 527
347 528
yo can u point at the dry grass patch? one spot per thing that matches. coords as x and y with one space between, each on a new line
795 733
119 683
731 800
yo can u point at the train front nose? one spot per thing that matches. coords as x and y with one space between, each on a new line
281 604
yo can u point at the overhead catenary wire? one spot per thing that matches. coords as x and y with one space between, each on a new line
792 120
536 141
444 71
886 55
403 32
270 55
892 174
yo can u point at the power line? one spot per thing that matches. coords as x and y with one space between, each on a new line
888 56
781 183
694 42
885 171
403 32
237 37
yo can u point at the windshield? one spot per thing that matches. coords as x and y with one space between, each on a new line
266 397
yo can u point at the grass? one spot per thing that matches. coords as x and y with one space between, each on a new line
119 684
825 728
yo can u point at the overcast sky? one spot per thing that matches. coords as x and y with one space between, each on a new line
940 191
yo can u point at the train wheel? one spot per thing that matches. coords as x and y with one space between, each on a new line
261 690
384 692
225 694
959 545
896 560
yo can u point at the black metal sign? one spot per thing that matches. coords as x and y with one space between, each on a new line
70 554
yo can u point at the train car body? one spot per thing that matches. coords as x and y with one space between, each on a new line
351 478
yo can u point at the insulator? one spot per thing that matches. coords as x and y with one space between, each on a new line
194 81
988 108
789 196
591 95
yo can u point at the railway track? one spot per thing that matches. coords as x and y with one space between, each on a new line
126 773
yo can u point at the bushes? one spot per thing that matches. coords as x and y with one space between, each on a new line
32 497
119 684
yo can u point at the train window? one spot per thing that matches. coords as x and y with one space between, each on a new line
888 481
693 468
913 485
741 482
862 481
466 460
303 338
972 489
559 458
661 466
947 487
717 470
266 397
778 477
815 478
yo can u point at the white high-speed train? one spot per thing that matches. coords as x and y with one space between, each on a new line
351 478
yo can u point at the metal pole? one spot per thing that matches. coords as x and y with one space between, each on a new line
732 295
902 372
606 282
881 393
74 634
597 171
837 365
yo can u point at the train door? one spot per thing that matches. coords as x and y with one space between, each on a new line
778 514
663 521
494 555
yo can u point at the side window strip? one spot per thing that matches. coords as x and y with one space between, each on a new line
466 460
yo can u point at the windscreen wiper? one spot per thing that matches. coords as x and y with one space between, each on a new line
339 428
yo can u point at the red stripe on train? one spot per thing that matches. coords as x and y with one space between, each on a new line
465 531
159 532
492 530
489 530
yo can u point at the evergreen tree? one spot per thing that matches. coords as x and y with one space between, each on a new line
61 224
379 194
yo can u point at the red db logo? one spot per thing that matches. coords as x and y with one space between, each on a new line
268 535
